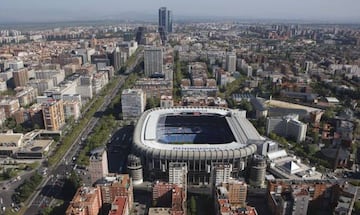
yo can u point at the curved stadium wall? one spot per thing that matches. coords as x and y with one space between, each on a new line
198 136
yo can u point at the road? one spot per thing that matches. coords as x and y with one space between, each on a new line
51 187
8 188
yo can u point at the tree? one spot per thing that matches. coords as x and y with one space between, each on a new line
357 207
18 129
329 114
10 123
152 102
245 105
193 205
231 103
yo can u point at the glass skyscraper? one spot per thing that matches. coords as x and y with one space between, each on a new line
165 19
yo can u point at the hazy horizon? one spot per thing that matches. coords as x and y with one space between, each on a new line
66 10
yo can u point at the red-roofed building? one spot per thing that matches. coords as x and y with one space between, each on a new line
178 204
165 195
120 206
87 201
230 199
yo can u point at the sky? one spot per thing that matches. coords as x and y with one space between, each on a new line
67 10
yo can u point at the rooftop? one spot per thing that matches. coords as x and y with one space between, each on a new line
173 125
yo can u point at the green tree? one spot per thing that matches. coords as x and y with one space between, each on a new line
328 114
152 102
357 207
193 205
245 105
10 123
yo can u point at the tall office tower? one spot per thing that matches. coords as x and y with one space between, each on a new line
98 166
140 36
257 171
170 21
153 61
165 19
178 174
53 114
231 62
21 77
132 103
165 23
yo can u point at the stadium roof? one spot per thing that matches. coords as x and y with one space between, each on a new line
243 131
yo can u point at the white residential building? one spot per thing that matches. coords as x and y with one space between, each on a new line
287 126
221 173
178 174
133 103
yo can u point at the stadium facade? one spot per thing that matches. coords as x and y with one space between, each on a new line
201 137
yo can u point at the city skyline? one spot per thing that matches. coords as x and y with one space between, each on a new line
46 11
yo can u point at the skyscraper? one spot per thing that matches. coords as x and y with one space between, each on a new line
165 23
165 19
231 62
140 36
153 60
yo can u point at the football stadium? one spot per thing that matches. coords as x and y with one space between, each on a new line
198 136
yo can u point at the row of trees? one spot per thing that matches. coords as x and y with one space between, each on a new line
115 106
180 72
107 123
27 188
74 133
97 138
